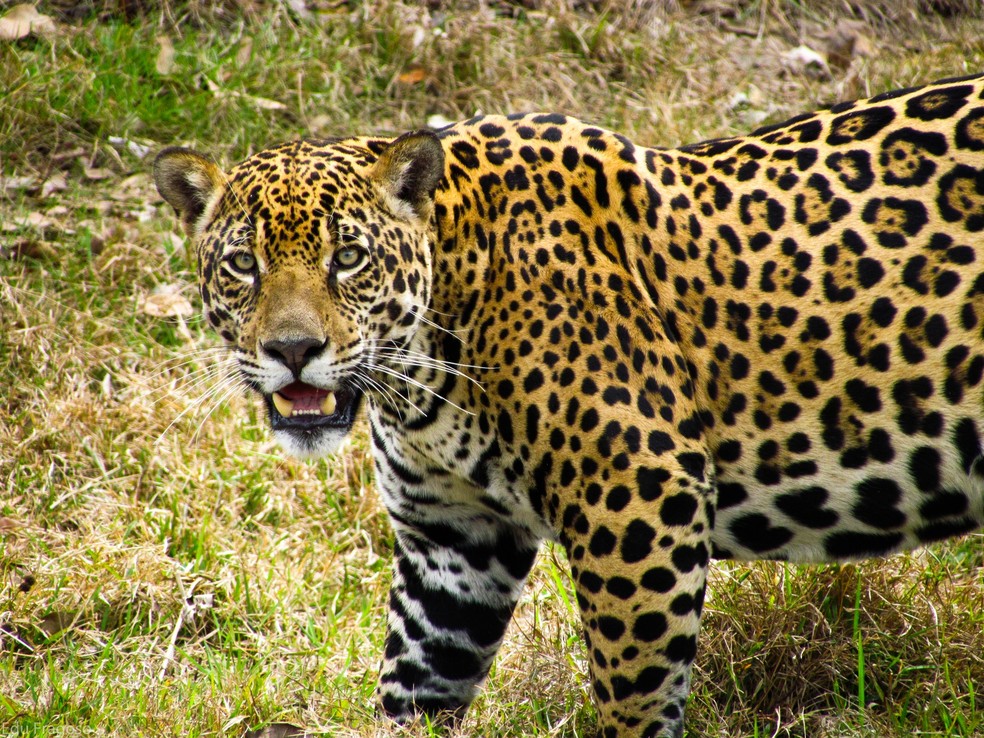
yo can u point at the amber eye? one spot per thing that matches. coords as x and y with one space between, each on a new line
243 261
349 257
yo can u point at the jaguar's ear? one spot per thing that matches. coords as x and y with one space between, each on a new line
408 171
187 181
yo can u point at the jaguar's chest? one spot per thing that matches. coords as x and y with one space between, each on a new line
449 469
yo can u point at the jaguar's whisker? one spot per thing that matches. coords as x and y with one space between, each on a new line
419 385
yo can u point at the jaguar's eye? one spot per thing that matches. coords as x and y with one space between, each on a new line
243 261
349 257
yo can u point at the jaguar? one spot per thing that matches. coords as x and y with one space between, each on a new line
760 347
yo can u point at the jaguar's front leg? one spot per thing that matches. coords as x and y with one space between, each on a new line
639 553
453 592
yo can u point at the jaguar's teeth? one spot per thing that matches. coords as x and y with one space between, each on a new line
328 404
284 406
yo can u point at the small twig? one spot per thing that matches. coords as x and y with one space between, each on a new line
186 615
739 30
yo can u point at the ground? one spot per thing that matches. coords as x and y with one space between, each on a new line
165 571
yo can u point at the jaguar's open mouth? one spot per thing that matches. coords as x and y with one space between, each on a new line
302 407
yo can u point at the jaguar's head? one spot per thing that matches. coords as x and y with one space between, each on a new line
314 259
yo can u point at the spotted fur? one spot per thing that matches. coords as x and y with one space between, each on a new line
757 347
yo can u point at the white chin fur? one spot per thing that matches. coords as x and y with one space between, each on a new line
310 446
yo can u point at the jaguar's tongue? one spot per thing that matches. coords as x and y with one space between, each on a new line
303 399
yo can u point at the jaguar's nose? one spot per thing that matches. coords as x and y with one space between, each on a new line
294 354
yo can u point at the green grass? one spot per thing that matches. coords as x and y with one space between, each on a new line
129 487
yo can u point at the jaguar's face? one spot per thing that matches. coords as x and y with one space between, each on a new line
314 266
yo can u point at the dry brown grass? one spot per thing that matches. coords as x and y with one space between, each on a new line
113 520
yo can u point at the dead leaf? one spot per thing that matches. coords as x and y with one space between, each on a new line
804 60
24 20
263 103
9 184
55 622
96 243
28 248
8 525
139 150
245 51
438 121
54 183
851 87
259 102
137 186
34 219
106 386
96 173
66 154
415 74
844 42
300 7
165 56
166 301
